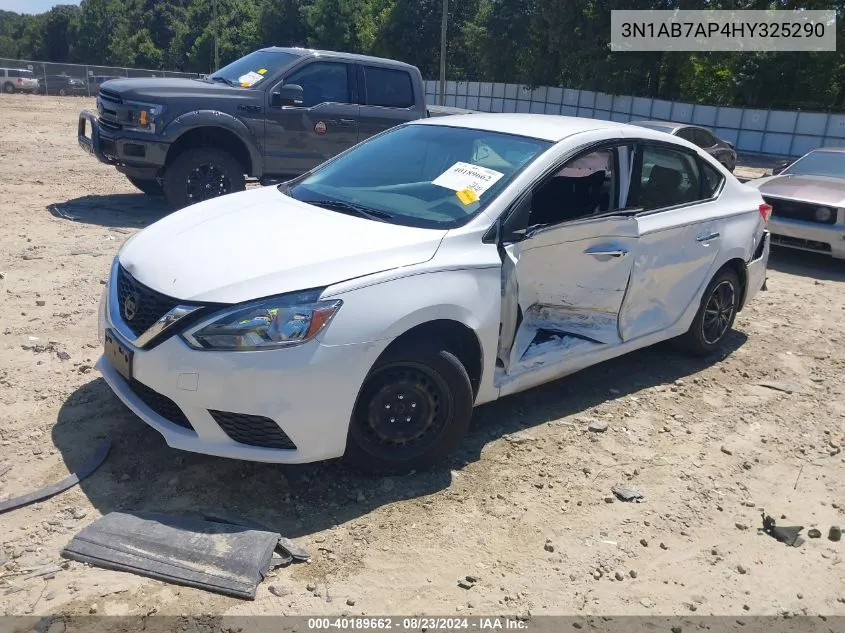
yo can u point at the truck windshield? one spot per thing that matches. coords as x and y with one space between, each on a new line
251 69
428 176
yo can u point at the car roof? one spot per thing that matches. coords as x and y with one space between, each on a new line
838 150
313 52
548 127
674 125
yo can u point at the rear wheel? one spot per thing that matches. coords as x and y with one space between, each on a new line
200 174
715 316
149 187
414 408
62 92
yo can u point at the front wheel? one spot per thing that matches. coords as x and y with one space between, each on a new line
715 316
8 88
149 187
413 410
200 174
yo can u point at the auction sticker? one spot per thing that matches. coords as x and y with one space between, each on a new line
320 128
462 176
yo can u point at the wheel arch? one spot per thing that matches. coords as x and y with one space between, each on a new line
216 129
737 264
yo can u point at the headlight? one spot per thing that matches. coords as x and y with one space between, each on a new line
824 214
267 324
142 116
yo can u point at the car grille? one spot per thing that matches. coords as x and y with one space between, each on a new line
108 118
798 210
254 430
150 305
796 242
162 405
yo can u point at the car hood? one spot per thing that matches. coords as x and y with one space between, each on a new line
260 243
152 88
821 190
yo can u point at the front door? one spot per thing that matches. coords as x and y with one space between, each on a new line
564 284
299 138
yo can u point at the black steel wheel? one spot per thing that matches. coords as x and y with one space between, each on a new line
200 174
413 409
716 314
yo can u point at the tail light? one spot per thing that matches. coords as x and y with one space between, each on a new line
20 81
765 212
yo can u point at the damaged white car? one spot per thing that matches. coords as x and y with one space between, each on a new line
365 308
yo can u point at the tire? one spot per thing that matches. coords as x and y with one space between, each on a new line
427 387
8 88
62 92
149 187
202 173
722 295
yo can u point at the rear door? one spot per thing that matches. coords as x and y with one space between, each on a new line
387 98
298 138
679 230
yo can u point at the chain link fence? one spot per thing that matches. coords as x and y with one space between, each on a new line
67 80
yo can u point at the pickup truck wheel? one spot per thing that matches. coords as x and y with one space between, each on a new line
715 316
413 410
200 174
8 88
149 187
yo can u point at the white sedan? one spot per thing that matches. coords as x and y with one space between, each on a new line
364 308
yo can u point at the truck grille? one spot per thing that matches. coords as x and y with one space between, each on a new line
803 211
254 430
805 245
108 117
149 305
161 404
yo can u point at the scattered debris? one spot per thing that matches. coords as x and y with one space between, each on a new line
726 450
741 569
740 526
814 533
279 592
633 573
95 460
44 570
627 494
350 602
835 533
219 557
664 546
609 499
618 575
597 426
781 385
63 355
463 583
787 535
4 468
548 546
643 542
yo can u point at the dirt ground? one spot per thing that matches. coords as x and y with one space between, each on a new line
525 505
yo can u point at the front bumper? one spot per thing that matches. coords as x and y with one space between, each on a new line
308 391
132 154
828 239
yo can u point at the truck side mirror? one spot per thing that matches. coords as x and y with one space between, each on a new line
288 95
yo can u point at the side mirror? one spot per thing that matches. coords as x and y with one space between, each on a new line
780 167
287 95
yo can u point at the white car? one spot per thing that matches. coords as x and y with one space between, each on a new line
363 309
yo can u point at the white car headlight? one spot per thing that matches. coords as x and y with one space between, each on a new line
266 324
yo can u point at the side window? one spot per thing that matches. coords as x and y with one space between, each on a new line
711 180
686 134
322 82
704 139
669 177
388 88
584 186
14 73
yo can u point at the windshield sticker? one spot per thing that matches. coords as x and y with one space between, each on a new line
249 79
467 196
262 71
461 176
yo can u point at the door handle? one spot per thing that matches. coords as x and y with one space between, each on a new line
347 122
606 252
706 237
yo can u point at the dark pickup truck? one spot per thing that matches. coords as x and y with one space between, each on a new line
272 114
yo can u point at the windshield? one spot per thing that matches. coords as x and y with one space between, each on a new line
819 163
426 176
251 69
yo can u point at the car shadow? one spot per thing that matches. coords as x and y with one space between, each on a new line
143 474
806 264
117 210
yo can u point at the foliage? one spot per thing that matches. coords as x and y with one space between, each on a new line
531 42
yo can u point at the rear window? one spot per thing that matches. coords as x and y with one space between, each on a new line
388 88
711 181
